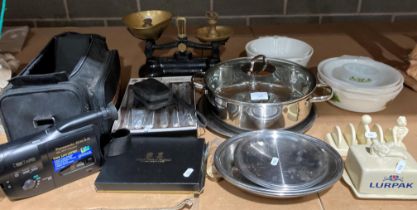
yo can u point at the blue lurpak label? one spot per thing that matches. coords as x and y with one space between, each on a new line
392 182
73 157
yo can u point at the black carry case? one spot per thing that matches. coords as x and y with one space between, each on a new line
73 74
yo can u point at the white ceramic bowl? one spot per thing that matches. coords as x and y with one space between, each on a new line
281 47
360 102
360 84
363 91
360 74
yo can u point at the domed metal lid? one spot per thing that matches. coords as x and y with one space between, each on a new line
260 80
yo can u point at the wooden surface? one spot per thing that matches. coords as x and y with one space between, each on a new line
389 43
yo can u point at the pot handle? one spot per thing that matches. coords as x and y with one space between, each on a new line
323 89
198 82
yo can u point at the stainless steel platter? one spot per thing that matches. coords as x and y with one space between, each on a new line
319 164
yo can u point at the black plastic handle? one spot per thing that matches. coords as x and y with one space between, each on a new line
87 118
39 79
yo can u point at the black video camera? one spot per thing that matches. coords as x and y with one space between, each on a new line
61 154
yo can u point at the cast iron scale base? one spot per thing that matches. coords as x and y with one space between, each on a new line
182 63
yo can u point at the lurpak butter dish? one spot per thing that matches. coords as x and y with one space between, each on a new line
346 178
381 171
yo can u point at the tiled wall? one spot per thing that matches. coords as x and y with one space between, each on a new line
44 13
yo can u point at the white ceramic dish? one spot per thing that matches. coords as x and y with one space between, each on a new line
357 102
360 73
362 107
363 91
281 47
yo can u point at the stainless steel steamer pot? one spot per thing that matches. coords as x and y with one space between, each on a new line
259 93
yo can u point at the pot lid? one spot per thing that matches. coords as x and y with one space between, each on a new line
282 160
260 80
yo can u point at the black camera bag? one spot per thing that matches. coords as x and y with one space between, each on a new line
73 74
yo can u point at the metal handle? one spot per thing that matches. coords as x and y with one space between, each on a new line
187 203
253 61
198 82
322 98
181 27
